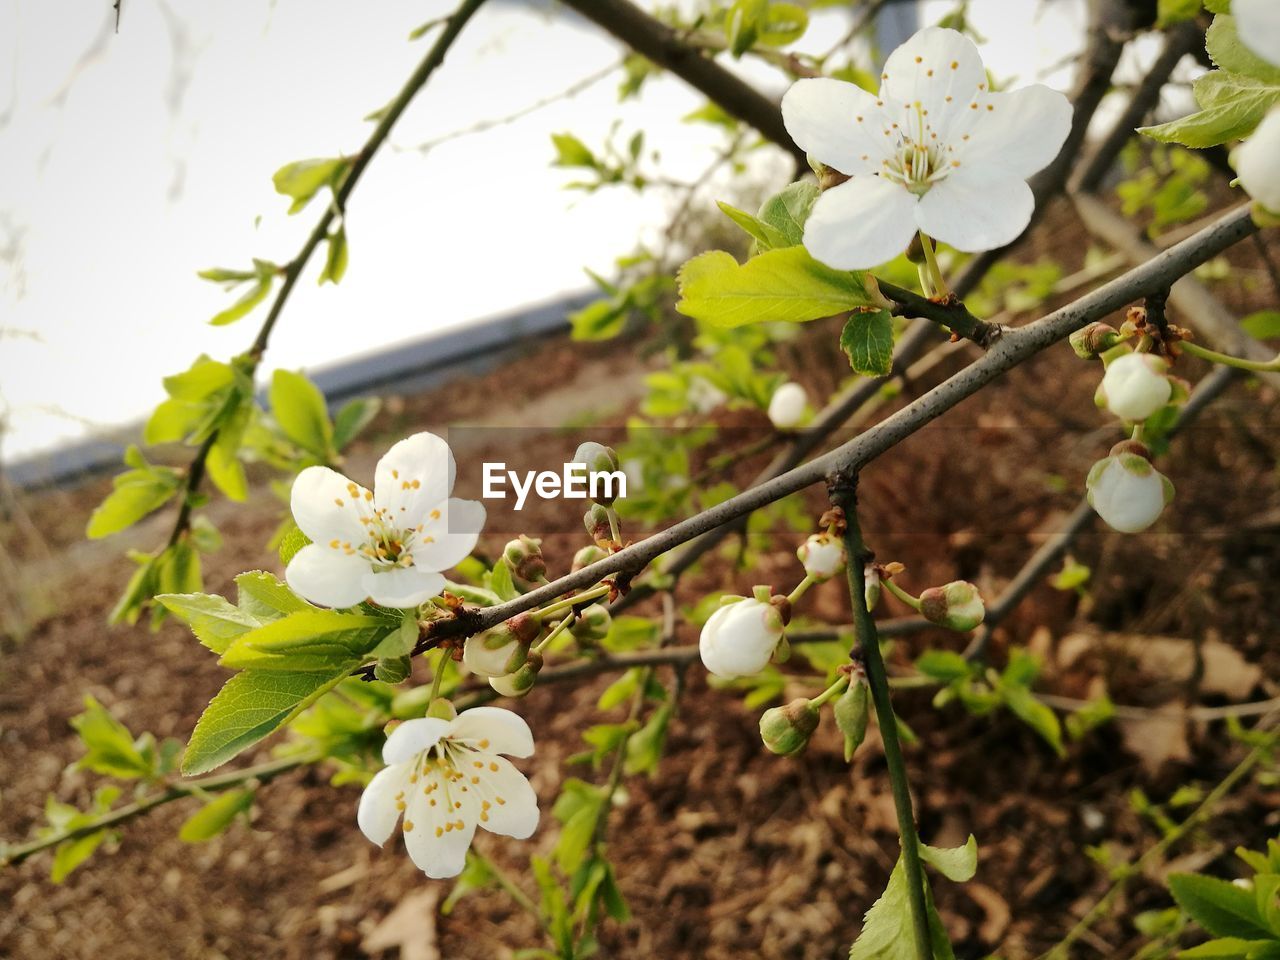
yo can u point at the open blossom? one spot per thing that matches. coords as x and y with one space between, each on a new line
1258 22
446 777
935 150
739 638
1127 491
387 545
1257 161
1135 386
787 405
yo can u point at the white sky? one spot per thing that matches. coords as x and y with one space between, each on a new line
129 161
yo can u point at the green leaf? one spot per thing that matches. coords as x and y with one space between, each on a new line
353 416
742 24
136 494
599 320
1218 6
110 748
1228 948
1222 908
1222 41
958 864
303 179
299 408
788 210
887 929
944 665
779 285
572 152
867 339
215 816
71 853
266 597
250 706
308 640
1264 324
336 257
213 620
784 23
1034 714
1169 12
1232 105
244 306
767 236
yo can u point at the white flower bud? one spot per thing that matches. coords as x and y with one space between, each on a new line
822 556
1127 491
787 406
502 650
739 638
522 681
956 605
1257 162
1135 386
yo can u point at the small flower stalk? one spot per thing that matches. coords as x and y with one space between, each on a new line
957 606
786 730
740 638
1135 386
446 778
1126 490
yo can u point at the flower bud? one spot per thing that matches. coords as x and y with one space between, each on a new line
1094 339
786 730
596 520
597 458
787 405
956 605
522 681
1135 386
1126 490
871 585
502 650
739 639
588 555
592 625
524 556
851 712
1257 162
822 556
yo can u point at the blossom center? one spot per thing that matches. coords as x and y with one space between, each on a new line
388 545
917 158
454 778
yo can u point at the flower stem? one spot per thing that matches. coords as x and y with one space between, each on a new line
558 629
935 272
897 591
844 495
614 530
573 601
1213 356
438 679
831 691
801 588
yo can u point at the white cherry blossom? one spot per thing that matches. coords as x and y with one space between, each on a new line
446 778
936 150
1258 22
787 405
387 545
1135 386
739 638
1257 161
1128 492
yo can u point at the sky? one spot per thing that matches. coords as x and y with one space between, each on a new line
130 160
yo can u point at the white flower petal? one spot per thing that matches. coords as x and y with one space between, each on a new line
401 587
933 65
378 813
739 639
325 508
1257 162
836 123
422 459
860 224
453 527
435 848
1015 134
1136 386
506 732
326 576
787 405
1258 22
513 804
412 738
973 215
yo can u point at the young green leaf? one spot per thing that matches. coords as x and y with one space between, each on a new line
303 179
312 639
1219 906
110 748
867 339
213 620
1232 105
215 816
779 285
957 864
766 236
787 210
336 257
299 408
351 419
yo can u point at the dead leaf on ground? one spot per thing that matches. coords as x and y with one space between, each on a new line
411 927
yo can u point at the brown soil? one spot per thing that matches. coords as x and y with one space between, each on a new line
727 851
